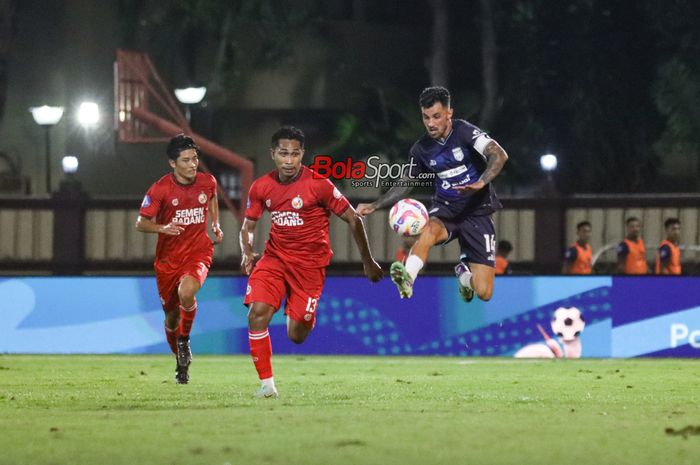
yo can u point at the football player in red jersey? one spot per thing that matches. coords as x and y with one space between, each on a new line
298 251
176 207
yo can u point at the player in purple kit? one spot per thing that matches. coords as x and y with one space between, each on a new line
464 160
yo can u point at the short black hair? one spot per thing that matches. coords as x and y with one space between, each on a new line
630 219
178 144
432 95
504 246
670 222
582 224
287 132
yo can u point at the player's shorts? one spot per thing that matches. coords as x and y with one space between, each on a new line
272 280
476 234
168 279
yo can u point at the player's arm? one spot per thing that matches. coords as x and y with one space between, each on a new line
147 225
393 195
622 252
247 239
664 258
372 269
214 212
496 157
569 259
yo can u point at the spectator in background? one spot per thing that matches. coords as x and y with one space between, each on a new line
631 252
578 257
502 251
668 257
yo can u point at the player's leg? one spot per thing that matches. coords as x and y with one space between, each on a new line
172 322
193 276
482 280
266 288
305 290
477 239
405 274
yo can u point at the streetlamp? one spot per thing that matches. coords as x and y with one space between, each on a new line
47 117
88 114
190 96
548 163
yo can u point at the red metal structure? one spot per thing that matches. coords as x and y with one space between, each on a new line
146 111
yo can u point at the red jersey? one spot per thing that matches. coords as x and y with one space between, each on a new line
299 211
187 204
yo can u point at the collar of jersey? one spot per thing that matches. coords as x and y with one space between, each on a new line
448 136
178 183
293 180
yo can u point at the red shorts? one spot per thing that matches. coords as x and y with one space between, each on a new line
272 280
168 279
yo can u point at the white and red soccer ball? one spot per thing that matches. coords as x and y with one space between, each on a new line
408 217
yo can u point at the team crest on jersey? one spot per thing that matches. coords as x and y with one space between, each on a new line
268 202
146 202
336 193
297 202
202 198
175 202
458 154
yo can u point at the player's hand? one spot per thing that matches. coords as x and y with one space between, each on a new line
364 209
218 233
373 271
470 188
171 229
247 262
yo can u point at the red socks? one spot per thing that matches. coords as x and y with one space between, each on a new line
171 335
261 352
187 318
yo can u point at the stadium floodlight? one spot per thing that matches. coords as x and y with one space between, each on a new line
70 164
191 95
88 114
548 162
47 117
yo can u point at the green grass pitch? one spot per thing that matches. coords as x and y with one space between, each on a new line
349 410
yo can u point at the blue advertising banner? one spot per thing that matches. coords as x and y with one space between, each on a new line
624 317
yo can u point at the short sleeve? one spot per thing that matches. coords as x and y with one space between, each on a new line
664 253
622 249
475 137
213 187
151 202
254 205
570 254
330 197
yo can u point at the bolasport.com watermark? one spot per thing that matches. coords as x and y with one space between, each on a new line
371 172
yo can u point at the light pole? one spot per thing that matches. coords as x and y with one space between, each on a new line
47 117
190 96
548 163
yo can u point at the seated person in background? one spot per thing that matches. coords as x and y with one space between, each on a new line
578 257
631 252
503 249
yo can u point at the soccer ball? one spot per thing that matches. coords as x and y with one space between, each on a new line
568 323
408 217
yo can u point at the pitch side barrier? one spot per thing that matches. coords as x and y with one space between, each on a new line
624 317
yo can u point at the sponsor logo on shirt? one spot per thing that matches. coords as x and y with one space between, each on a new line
297 202
175 202
458 154
478 133
336 193
247 203
433 162
286 218
189 216
146 202
248 289
202 198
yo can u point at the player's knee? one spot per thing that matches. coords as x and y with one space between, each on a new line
297 338
259 314
484 292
